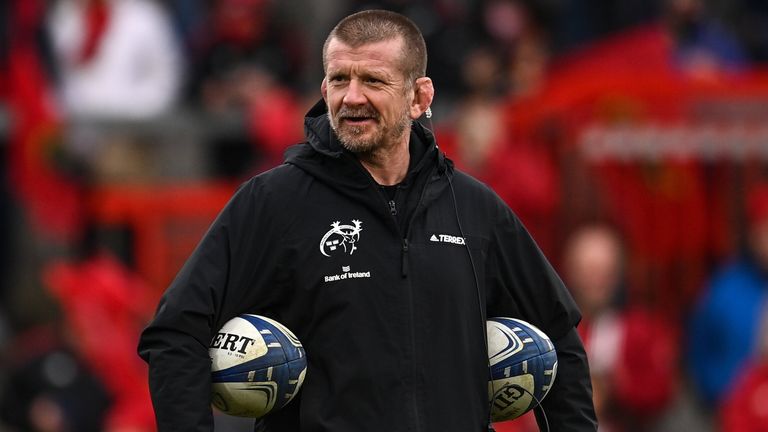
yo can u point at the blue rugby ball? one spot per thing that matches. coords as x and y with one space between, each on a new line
523 365
257 366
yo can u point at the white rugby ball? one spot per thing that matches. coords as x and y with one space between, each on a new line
257 366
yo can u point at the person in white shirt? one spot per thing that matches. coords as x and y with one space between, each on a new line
115 58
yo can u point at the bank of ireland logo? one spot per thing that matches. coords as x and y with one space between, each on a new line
341 238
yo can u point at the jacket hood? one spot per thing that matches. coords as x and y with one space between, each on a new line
323 156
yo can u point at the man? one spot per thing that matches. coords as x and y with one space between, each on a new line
402 347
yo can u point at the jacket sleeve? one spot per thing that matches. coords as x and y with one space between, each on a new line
522 284
568 405
208 290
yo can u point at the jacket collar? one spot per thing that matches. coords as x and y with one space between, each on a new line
320 137
324 158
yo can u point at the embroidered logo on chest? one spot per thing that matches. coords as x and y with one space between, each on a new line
341 239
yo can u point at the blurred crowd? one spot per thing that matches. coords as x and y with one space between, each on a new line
628 136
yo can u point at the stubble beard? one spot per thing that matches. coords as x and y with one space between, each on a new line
353 138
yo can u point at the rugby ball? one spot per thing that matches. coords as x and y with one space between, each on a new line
523 366
257 366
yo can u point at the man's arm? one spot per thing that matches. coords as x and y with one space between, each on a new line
217 282
523 284
179 379
568 406
175 343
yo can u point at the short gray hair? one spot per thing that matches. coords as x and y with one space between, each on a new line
380 25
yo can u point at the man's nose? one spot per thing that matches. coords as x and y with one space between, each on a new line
355 93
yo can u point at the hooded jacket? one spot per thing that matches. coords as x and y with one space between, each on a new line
399 346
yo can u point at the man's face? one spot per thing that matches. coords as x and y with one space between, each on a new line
367 95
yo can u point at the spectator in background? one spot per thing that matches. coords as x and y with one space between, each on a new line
577 23
592 271
479 139
233 35
245 67
47 387
705 47
271 114
242 33
115 58
520 33
631 353
725 323
103 300
745 407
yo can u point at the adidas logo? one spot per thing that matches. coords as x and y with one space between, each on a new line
445 238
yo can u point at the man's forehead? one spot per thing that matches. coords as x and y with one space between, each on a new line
387 50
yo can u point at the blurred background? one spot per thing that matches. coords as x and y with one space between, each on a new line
630 137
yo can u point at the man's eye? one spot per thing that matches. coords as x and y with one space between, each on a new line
337 78
373 80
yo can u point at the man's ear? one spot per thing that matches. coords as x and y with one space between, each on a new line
324 89
423 93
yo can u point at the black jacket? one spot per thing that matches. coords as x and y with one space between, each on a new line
400 346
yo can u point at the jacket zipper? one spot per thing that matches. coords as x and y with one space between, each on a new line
404 246
404 255
392 206
404 266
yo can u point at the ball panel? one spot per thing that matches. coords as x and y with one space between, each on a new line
289 343
508 338
275 356
297 373
245 399
538 336
282 331
237 342
511 396
502 343
523 367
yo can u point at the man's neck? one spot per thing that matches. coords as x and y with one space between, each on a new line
388 166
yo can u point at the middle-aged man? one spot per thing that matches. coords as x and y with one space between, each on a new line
400 346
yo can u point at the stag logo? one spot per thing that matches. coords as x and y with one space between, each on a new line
341 238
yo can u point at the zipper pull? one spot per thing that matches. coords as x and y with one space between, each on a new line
404 255
392 208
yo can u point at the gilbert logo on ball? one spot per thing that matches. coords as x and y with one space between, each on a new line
257 366
523 365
